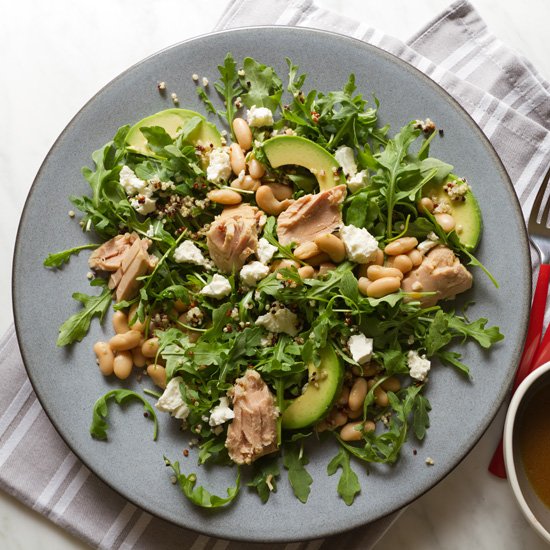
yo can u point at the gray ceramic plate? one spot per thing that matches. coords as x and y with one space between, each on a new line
68 382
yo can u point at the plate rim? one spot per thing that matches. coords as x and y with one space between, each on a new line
514 202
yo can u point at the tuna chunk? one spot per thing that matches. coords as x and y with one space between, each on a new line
233 237
127 257
440 272
311 216
253 432
108 256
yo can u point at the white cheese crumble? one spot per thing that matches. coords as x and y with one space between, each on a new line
358 181
187 252
418 365
360 348
218 287
221 413
143 204
253 272
194 316
171 401
345 158
265 250
259 116
131 183
283 320
219 166
360 245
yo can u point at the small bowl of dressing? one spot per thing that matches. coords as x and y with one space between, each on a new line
527 448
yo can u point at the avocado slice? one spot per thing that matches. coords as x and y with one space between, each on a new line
466 213
172 120
318 398
283 150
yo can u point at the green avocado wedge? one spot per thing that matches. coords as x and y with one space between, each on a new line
172 120
466 213
300 151
319 397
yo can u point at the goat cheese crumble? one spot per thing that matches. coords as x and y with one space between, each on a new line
345 158
219 166
259 116
282 320
131 183
221 413
360 348
253 272
360 245
358 181
265 250
171 401
218 287
143 204
187 252
418 365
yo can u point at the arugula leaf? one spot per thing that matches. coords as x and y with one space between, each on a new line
229 87
300 480
452 358
421 419
485 337
348 485
199 495
264 87
208 105
265 480
76 326
438 334
99 426
57 259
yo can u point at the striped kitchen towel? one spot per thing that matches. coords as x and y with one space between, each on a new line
502 92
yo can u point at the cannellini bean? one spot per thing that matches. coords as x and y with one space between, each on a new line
105 357
425 203
400 246
267 201
227 197
120 322
333 246
363 285
138 357
157 374
318 259
150 347
242 133
306 250
122 365
375 272
306 272
126 341
284 264
354 414
256 169
357 394
383 287
415 256
403 263
351 431
381 397
365 370
236 159
281 191
336 419
248 183
446 221
391 384
379 259
344 396
180 306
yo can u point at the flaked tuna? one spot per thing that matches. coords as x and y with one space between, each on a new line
311 216
440 272
253 431
233 237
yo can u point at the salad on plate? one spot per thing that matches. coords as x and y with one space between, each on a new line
288 277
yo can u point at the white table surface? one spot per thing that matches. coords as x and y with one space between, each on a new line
55 55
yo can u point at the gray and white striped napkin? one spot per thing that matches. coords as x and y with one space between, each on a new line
503 93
